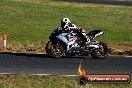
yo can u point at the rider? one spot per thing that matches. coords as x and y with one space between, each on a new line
68 27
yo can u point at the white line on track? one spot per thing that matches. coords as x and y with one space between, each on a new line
39 74
45 53
126 56
6 73
53 75
119 55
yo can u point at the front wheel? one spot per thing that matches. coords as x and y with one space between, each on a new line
54 50
101 52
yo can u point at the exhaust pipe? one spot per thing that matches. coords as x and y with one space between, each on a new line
93 46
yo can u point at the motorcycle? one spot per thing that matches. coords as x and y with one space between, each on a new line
69 44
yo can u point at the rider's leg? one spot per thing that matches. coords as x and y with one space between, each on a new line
85 38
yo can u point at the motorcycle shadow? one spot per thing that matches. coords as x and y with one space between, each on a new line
43 55
78 57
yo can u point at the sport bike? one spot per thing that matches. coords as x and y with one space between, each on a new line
62 43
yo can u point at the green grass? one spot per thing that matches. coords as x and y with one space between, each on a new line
33 20
29 81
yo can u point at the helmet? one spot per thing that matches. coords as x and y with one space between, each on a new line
65 21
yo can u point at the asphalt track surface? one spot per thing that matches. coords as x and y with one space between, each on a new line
113 2
22 63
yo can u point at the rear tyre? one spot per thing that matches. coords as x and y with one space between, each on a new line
100 53
54 50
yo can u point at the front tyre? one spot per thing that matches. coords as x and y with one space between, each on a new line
54 50
101 52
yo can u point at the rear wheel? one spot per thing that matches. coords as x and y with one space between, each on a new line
54 50
101 52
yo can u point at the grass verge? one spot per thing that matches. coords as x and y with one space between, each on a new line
29 81
28 23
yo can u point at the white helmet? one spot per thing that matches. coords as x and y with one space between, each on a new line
65 21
